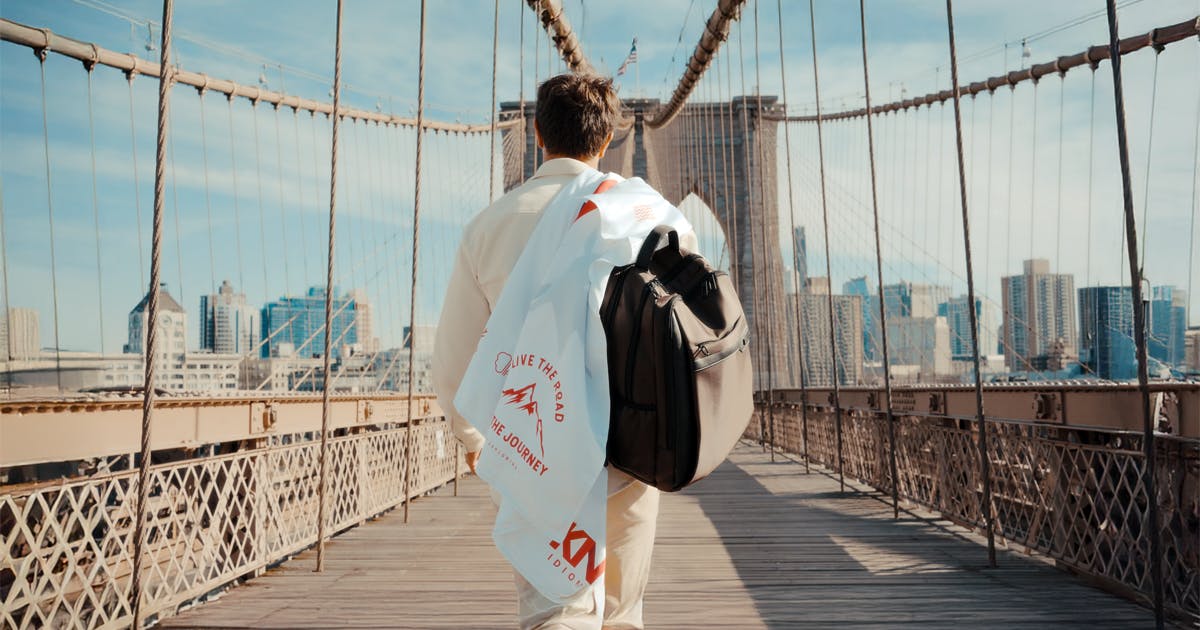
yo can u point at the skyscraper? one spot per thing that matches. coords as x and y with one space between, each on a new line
228 325
920 341
848 338
801 259
1106 345
912 299
870 310
1039 316
366 320
20 337
295 325
1168 325
958 317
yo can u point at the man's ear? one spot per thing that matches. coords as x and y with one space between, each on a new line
537 136
604 147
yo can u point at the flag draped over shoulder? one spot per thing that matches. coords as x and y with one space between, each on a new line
630 58
537 386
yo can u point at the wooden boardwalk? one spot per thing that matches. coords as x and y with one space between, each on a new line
757 545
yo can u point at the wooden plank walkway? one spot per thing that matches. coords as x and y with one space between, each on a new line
757 545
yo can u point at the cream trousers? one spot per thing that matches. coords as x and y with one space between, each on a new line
632 516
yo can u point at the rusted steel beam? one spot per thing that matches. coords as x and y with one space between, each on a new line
41 39
50 431
716 31
1078 404
1156 38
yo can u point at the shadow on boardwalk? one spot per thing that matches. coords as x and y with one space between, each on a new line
756 545
810 556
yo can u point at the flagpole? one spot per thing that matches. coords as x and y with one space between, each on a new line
637 72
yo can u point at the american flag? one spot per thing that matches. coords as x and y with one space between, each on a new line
632 58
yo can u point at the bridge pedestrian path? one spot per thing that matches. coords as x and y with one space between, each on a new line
759 544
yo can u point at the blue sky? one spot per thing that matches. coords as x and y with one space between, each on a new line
223 221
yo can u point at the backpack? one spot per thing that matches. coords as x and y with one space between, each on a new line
678 364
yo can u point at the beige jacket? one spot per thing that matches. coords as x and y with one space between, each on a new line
490 246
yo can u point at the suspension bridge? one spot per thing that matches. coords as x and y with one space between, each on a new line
969 287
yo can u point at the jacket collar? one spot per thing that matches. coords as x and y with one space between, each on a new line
560 167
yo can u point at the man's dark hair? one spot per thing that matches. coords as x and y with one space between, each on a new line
576 113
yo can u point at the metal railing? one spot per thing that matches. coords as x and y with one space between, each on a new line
1072 493
211 519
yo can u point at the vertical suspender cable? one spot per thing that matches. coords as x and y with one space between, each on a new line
537 57
984 462
322 501
767 259
41 54
758 334
137 187
837 394
237 213
492 151
150 355
521 94
887 365
1062 87
1195 202
95 209
731 239
787 142
212 256
412 302
1149 153
1139 319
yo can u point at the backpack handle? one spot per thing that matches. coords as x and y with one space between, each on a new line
654 242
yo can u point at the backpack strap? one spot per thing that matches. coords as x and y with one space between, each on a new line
654 242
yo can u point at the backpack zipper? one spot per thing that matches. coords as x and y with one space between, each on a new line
631 360
614 298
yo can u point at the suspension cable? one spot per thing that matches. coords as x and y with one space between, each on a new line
1062 87
150 354
1091 171
787 142
837 401
137 187
283 234
521 94
981 419
300 189
1139 321
262 217
322 501
1149 154
716 31
412 303
41 54
887 365
492 151
1195 201
1033 155
760 338
762 227
95 209
237 212
212 256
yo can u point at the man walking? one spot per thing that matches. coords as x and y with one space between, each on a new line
574 122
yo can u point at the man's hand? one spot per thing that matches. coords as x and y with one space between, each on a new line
472 460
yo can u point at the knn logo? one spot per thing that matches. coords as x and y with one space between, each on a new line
586 546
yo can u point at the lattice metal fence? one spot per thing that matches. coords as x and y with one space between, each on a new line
1073 494
67 547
